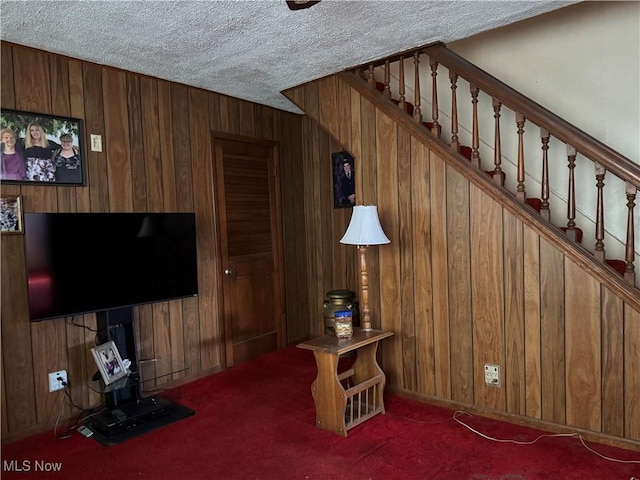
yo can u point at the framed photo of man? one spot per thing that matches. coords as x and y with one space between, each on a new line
41 149
344 186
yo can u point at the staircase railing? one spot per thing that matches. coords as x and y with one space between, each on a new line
498 95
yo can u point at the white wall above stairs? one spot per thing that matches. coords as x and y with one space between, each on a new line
582 63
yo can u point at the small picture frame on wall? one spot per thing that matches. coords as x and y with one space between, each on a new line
10 214
344 186
41 149
109 362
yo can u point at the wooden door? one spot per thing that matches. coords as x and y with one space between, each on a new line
248 202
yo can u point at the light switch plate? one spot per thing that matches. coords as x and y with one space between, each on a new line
96 143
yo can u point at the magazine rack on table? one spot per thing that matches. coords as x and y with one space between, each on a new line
344 400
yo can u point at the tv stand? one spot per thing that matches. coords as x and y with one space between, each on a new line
113 426
127 413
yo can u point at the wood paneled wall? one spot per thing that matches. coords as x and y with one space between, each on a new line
465 282
156 157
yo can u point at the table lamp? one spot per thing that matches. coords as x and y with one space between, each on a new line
364 230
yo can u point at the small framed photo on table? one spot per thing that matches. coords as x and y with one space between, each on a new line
10 214
109 362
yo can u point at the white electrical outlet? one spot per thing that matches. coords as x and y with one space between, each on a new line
54 383
492 375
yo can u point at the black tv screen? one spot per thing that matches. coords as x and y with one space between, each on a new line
88 262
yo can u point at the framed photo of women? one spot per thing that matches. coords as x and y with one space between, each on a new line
41 149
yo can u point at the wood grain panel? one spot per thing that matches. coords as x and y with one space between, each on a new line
76 349
328 243
292 191
440 275
136 136
317 254
167 167
116 141
366 181
59 72
407 276
247 118
299 263
460 292
384 275
17 361
162 341
144 325
631 377
314 286
355 145
344 112
554 364
233 106
76 95
4 422
420 189
182 153
176 329
151 135
339 219
514 324
31 80
487 285
328 94
7 92
532 338
97 177
612 363
210 269
583 340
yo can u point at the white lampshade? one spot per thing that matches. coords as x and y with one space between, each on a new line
364 228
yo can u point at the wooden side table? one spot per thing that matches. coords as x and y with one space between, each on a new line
338 408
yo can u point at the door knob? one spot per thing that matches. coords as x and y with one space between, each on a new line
229 272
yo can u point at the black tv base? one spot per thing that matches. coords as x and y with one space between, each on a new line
113 426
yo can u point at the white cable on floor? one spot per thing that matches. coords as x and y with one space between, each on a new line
517 442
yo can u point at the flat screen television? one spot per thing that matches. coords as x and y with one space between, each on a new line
89 262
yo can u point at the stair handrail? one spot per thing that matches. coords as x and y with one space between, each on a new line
566 132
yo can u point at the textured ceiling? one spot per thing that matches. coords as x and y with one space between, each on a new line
248 49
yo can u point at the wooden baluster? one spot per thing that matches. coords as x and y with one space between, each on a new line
520 191
498 174
417 113
435 128
453 76
544 210
599 249
571 202
401 86
370 78
475 142
629 272
387 80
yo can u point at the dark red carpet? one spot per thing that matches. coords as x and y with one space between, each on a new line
256 421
